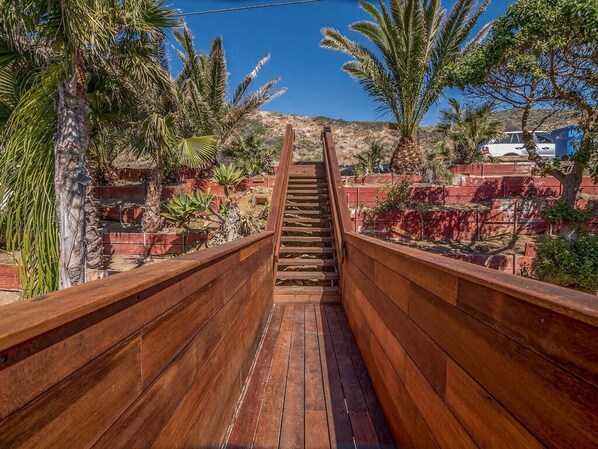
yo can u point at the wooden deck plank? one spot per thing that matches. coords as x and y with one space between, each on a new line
339 423
246 425
292 432
315 366
363 428
314 388
382 430
268 430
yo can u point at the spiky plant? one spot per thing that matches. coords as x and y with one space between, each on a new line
462 129
251 154
227 176
370 160
203 86
415 42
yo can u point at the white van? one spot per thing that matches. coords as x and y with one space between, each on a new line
512 145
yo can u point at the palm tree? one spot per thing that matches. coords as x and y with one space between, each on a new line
416 41
464 128
203 87
60 53
369 160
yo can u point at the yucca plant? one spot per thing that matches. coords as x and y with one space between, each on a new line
462 129
251 153
227 176
368 161
203 88
415 41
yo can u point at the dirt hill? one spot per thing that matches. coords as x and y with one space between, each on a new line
354 137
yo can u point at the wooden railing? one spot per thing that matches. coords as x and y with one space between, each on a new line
276 213
155 357
341 219
463 356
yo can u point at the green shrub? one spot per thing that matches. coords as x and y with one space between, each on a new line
562 212
396 197
571 264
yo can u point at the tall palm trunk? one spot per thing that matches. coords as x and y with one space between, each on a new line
407 158
152 221
71 142
93 235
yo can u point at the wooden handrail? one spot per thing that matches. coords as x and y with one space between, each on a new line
571 303
276 213
35 318
341 218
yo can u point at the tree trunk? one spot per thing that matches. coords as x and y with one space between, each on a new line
152 221
570 180
93 235
407 157
70 178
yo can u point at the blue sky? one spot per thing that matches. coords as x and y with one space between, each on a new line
316 85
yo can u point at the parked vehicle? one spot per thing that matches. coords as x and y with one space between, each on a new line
567 141
511 144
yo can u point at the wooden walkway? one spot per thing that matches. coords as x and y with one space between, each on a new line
309 387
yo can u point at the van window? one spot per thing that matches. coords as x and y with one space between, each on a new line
517 138
543 138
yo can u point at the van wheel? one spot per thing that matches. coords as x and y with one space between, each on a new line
510 154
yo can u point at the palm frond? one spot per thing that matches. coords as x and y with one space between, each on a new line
198 152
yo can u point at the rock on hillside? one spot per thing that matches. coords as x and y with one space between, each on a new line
351 138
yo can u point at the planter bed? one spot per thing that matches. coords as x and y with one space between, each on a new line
144 244
136 192
504 217
9 277
471 190
523 168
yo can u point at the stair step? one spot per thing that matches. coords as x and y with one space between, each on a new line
307 198
309 176
307 184
305 229
305 250
306 212
301 205
306 294
287 262
305 220
307 275
286 238
307 192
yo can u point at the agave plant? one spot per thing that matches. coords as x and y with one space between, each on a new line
227 176
415 41
180 209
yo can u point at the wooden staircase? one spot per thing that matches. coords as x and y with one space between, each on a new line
307 266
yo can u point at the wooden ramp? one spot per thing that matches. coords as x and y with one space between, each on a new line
199 352
309 387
